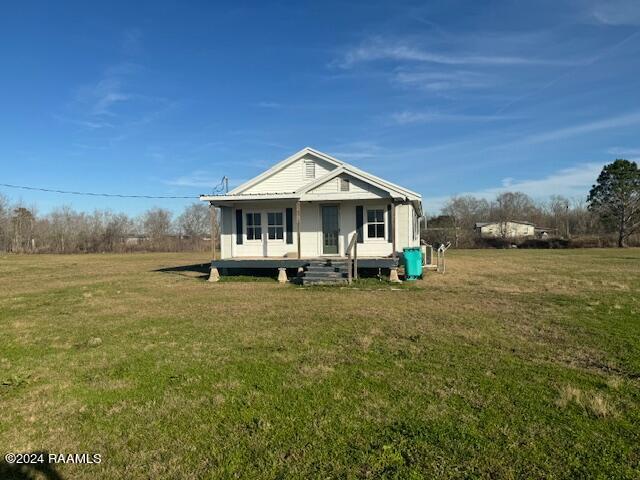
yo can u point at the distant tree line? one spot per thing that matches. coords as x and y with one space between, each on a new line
608 216
560 216
65 230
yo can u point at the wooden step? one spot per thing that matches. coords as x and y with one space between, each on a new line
334 276
323 269
340 281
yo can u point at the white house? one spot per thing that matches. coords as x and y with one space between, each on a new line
508 229
310 206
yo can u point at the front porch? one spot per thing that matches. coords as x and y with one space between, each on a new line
280 262
335 269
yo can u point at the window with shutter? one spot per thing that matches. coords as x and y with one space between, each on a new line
375 223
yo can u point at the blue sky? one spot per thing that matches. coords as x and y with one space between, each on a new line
446 97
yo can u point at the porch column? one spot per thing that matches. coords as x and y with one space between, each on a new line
298 228
212 211
394 229
214 275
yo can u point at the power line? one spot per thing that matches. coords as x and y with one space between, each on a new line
219 188
92 194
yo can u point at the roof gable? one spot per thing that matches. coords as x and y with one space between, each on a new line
290 179
289 174
330 186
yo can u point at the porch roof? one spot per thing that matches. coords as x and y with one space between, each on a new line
230 198
236 197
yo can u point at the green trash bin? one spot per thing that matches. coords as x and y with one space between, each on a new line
412 263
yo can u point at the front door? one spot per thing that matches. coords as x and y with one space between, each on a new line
330 229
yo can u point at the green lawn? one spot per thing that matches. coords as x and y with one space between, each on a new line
515 364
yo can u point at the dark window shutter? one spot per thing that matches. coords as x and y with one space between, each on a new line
239 226
390 232
359 223
289 226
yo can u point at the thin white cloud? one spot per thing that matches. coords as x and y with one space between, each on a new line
110 102
90 124
385 49
617 12
198 178
409 117
101 97
583 128
444 81
624 152
356 151
591 61
572 182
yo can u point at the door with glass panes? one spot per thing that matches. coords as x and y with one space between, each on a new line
330 229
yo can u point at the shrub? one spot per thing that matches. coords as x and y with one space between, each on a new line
488 242
544 243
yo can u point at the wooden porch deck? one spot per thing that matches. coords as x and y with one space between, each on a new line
281 262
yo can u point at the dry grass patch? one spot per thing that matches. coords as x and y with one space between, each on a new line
592 402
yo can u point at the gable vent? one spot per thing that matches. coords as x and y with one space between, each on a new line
309 169
344 184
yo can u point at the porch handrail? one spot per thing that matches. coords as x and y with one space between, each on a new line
352 267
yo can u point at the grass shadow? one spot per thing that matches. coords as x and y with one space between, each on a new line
196 270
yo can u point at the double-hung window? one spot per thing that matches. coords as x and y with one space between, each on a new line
375 223
275 227
254 226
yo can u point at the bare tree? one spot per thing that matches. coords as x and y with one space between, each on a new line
156 223
195 221
5 224
558 210
464 212
510 206
117 226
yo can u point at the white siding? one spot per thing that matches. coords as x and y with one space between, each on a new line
408 226
507 229
225 232
292 177
311 229
402 231
357 189
331 186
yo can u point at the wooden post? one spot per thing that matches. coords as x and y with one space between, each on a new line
298 228
394 229
355 259
212 210
352 257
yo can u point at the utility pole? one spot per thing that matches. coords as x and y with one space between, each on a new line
567 220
